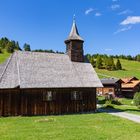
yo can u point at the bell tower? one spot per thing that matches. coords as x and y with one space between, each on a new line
74 45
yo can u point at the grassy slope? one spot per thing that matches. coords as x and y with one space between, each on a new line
131 68
99 126
4 56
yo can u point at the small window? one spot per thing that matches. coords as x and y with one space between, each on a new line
49 95
76 95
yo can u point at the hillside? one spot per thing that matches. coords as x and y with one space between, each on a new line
130 68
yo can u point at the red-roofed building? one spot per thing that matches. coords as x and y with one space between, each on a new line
130 86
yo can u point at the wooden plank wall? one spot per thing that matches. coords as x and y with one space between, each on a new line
30 102
9 103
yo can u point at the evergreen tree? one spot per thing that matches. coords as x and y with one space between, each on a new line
118 65
26 47
138 57
3 42
88 57
10 47
17 47
93 62
99 62
109 64
129 57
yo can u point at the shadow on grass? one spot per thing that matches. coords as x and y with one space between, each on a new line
114 110
101 101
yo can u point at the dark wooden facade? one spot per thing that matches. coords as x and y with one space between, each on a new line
130 86
75 50
112 88
30 102
130 92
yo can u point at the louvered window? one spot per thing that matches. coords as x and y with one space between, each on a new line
76 95
49 95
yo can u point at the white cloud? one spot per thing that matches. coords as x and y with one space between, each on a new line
115 6
114 0
125 12
131 20
88 11
123 29
98 14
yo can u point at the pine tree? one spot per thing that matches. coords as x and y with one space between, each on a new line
26 47
138 57
118 65
109 64
99 62
93 62
10 47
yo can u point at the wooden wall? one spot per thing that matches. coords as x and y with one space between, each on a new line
30 102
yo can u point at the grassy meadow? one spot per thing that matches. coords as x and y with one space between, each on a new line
4 56
126 105
99 126
96 126
130 68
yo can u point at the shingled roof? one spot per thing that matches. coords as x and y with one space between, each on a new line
109 81
46 70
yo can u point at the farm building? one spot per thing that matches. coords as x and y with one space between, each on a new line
130 86
110 86
34 83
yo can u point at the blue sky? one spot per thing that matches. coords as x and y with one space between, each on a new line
107 26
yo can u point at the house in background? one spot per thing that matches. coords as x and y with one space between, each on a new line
110 86
130 86
33 83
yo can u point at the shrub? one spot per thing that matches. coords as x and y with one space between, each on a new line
137 99
116 102
108 104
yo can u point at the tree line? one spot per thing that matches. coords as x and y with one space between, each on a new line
100 61
48 51
104 62
127 57
10 45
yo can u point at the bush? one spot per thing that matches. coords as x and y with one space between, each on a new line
116 102
137 99
108 104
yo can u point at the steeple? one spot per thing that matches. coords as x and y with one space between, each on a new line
74 44
74 34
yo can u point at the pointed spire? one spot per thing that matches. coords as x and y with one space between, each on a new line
74 19
74 35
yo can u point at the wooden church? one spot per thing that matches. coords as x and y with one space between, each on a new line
34 83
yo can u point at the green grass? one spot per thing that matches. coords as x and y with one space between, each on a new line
4 56
126 101
131 68
98 126
126 106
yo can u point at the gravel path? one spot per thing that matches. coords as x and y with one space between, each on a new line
115 112
132 117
